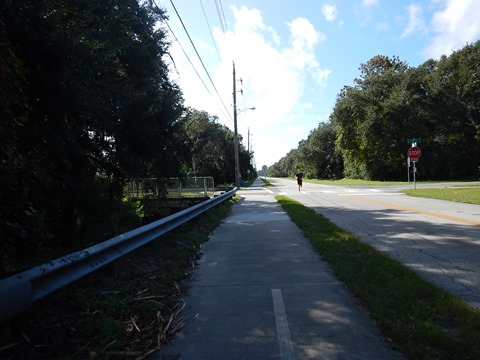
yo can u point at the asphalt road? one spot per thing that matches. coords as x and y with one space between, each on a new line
438 239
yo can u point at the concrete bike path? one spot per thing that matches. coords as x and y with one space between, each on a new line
262 292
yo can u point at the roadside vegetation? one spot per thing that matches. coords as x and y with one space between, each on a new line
415 316
266 183
463 194
390 105
87 105
124 311
129 309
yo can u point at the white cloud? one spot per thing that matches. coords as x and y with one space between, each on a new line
304 35
455 25
321 76
267 73
383 26
368 3
275 75
415 21
296 129
301 55
329 11
275 71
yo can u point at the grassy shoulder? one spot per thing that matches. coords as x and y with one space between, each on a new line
420 319
126 310
266 183
463 194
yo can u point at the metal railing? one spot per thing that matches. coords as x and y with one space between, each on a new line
19 292
200 185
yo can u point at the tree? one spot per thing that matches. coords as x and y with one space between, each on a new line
93 101
286 166
212 148
438 101
318 154
371 120
15 174
456 137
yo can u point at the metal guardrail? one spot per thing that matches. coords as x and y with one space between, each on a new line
194 185
20 291
201 185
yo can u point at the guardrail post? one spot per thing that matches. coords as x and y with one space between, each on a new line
16 297
20 291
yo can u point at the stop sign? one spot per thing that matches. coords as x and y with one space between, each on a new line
414 153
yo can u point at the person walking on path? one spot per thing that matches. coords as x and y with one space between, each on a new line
299 176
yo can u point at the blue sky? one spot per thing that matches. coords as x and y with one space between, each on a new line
294 57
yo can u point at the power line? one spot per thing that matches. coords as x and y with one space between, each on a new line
224 25
193 66
210 29
199 57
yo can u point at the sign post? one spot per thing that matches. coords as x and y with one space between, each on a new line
414 153
408 169
265 169
414 176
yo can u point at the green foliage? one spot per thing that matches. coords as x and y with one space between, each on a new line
99 219
84 96
126 309
420 319
319 156
370 119
464 194
438 101
286 166
212 148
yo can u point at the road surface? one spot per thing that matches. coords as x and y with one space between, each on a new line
438 239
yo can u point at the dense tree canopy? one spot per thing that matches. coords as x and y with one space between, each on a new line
212 148
316 156
85 95
438 102
286 166
370 120
86 104
318 153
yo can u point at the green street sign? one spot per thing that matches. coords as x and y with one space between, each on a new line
414 140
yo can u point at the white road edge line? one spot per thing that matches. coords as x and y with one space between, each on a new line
283 332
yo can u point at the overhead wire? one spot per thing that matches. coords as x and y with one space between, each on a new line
227 114
200 58
210 29
191 63
219 12
224 25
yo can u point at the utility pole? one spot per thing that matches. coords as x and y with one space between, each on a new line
237 162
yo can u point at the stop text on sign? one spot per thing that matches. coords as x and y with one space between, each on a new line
414 153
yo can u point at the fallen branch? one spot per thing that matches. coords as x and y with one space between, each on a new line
134 322
184 323
149 297
144 356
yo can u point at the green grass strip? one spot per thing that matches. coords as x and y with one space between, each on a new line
421 320
468 195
